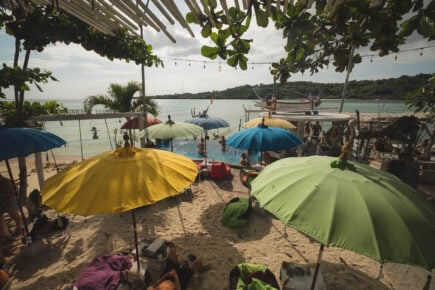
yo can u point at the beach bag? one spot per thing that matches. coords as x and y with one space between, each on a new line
247 276
220 171
237 212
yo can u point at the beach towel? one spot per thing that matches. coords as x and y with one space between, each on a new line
236 212
247 276
103 272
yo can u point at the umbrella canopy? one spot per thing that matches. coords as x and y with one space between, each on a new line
118 181
364 210
20 142
171 130
264 138
208 123
270 121
133 123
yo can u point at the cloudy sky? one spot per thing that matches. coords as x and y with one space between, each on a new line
82 73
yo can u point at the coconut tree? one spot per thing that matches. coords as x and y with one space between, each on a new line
122 99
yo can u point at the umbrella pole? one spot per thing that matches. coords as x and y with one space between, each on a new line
316 271
135 240
18 199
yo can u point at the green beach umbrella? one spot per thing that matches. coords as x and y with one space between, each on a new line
351 206
171 130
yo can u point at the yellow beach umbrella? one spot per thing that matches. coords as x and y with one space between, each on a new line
118 181
271 122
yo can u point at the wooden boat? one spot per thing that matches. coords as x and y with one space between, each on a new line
301 105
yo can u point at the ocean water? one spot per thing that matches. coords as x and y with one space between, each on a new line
81 145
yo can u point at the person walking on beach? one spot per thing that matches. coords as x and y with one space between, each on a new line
222 142
201 147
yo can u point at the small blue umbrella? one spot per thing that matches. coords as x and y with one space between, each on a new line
263 138
20 142
207 123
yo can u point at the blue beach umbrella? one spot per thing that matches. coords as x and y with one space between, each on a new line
263 138
20 142
208 123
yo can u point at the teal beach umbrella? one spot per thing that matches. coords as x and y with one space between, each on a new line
358 208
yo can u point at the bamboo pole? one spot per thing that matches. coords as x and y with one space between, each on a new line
348 71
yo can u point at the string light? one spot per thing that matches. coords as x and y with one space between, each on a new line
253 64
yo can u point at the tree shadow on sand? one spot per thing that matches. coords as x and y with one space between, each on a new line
258 226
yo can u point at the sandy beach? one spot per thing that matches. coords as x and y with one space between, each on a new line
194 226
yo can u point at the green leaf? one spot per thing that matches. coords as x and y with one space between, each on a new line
300 53
261 17
426 27
210 52
206 31
190 18
232 61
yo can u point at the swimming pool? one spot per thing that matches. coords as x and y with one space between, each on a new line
188 148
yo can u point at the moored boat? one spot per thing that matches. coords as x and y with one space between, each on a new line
300 105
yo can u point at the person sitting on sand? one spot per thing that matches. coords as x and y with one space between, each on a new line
244 160
176 275
9 204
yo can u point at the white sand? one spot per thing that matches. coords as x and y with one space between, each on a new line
195 227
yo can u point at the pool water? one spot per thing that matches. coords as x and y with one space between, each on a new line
188 148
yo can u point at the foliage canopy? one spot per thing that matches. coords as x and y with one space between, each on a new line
318 33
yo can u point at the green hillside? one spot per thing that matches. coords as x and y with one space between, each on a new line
393 88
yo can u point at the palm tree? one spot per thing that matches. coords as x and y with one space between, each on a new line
121 99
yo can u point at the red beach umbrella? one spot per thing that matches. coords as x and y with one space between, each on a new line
134 122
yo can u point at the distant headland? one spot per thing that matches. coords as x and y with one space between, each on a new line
392 89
